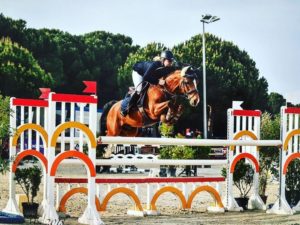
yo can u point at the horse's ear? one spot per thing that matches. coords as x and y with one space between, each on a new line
184 70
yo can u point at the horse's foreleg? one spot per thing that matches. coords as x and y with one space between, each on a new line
177 113
160 107
172 115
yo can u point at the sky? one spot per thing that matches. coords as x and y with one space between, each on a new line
268 30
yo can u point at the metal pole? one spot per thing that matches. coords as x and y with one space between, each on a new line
204 86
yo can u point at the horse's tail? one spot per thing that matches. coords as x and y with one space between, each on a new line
103 118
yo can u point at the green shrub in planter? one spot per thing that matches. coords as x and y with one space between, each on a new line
242 179
292 189
29 179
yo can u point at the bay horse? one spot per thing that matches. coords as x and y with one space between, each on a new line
158 105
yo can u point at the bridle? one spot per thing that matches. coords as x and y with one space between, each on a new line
182 85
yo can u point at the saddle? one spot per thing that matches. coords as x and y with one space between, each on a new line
147 121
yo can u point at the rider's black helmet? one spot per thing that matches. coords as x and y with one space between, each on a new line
167 54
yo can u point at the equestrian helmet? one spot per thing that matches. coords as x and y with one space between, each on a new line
167 54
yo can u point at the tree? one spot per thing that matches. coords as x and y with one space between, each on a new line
70 59
21 71
104 53
231 75
268 156
29 179
45 48
275 101
12 28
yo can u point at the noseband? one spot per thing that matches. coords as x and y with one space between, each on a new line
184 85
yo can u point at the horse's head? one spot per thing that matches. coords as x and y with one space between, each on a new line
184 82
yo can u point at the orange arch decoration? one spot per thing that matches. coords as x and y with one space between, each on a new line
70 193
210 190
288 161
28 126
31 152
73 124
289 137
241 134
171 189
126 191
76 154
241 156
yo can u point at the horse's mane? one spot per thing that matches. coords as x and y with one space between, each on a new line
173 79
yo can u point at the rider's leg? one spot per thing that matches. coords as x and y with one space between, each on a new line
137 81
125 105
132 99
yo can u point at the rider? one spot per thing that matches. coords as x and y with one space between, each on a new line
145 71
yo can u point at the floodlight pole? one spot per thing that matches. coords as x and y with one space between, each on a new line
205 19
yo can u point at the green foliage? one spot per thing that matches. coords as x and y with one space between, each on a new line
4 117
177 152
29 179
104 53
269 156
180 152
70 59
184 152
4 131
166 130
275 101
4 165
292 181
231 75
12 28
242 177
20 73
201 152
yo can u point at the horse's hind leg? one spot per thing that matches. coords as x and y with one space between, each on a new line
113 123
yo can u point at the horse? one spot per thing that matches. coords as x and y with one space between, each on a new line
158 105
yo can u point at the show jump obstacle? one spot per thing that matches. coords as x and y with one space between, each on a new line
57 129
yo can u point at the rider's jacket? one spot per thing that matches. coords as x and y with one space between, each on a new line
147 70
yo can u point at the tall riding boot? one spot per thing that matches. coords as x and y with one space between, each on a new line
128 102
134 99
125 105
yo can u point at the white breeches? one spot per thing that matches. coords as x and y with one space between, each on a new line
137 81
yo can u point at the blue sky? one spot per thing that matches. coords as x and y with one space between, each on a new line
268 30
